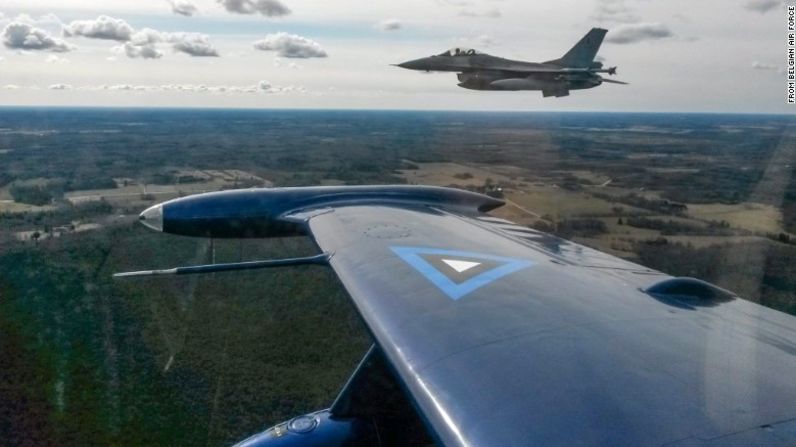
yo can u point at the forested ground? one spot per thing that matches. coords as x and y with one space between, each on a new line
202 360
207 360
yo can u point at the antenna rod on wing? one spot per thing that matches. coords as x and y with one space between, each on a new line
321 259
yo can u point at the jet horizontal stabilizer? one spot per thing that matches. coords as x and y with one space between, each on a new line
321 259
612 81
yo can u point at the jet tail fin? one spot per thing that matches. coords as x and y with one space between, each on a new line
583 53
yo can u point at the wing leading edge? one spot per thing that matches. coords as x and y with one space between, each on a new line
560 348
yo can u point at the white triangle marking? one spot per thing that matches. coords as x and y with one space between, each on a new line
460 266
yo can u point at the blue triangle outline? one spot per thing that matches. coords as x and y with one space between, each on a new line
411 255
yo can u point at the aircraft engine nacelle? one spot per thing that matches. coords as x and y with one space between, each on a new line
315 430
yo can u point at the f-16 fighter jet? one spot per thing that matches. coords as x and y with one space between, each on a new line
576 70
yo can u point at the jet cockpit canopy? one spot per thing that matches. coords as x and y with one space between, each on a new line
460 52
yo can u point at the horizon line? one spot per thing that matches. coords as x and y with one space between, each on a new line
348 109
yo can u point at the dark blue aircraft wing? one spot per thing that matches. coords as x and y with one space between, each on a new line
503 336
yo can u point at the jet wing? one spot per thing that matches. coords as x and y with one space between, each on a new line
502 335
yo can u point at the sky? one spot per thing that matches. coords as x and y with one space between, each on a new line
678 55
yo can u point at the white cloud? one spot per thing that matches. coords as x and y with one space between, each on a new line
144 51
53 59
267 87
201 88
289 89
23 36
183 7
103 27
270 8
763 6
143 44
147 36
614 11
193 44
389 25
260 87
491 13
290 45
639 32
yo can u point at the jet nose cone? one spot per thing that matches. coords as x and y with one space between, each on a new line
152 217
416 64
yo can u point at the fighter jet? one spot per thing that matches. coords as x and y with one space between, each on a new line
576 70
